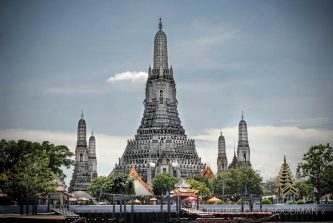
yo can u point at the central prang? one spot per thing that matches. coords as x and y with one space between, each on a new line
160 145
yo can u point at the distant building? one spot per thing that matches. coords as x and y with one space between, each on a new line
141 188
85 168
207 172
222 160
243 149
160 145
184 190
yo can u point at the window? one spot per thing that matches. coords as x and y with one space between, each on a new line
81 157
175 173
161 97
164 170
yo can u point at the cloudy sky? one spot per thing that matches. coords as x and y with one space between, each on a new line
271 59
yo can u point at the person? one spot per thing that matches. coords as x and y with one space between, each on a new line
187 205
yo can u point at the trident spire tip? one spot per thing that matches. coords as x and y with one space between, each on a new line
160 26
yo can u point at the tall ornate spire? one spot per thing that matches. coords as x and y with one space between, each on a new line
92 145
85 168
242 129
222 161
81 132
92 155
221 145
233 163
160 49
243 149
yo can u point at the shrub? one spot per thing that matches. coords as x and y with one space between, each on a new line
291 202
220 202
240 202
80 202
300 201
309 202
266 201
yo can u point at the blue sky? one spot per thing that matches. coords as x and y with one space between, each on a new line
272 59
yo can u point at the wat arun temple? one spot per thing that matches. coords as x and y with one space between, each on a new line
160 144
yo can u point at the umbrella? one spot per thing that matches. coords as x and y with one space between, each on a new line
153 199
136 201
72 199
79 194
213 200
83 199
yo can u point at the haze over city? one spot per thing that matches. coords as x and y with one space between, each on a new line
270 59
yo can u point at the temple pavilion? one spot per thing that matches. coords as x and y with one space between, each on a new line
183 189
285 183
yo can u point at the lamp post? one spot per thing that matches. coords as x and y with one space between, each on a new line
100 194
315 190
168 202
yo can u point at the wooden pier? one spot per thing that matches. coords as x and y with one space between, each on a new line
58 215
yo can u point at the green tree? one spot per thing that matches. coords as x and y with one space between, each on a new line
200 186
268 186
163 183
233 181
32 176
96 184
59 157
31 167
305 188
200 179
328 187
119 183
317 165
12 152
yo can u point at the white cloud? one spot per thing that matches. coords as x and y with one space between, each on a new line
132 76
268 144
309 122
